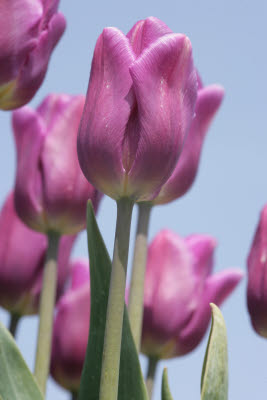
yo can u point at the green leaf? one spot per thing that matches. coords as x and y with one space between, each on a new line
165 390
214 379
131 382
16 380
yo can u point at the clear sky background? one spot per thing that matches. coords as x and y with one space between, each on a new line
229 46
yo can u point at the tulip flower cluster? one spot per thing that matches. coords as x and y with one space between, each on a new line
173 325
137 137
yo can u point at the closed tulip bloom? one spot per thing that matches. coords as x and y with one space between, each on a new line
51 191
22 256
71 329
209 99
257 277
179 287
139 106
30 29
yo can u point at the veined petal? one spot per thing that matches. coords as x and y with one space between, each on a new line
64 184
208 102
19 21
29 132
106 113
164 83
146 32
33 70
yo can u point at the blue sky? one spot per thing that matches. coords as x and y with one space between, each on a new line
229 47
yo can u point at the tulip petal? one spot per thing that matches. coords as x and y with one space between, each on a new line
106 112
79 273
62 174
257 282
29 132
168 275
164 83
208 101
145 32
18 20
202 248
68 351
217 288
33 70
19 264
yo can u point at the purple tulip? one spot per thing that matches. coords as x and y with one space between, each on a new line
71 329
139 106
178 289
209 99
30 29
257 277
51 191
22 256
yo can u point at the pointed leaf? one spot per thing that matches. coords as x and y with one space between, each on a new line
16 380
214 379
165 390
131 383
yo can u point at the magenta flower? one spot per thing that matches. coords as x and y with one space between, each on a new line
51 191
71 329
30 29
139 106
257 273
22 256
209 99
178 289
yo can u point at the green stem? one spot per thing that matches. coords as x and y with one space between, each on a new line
151 373
113 331
13 324
46 312
136 296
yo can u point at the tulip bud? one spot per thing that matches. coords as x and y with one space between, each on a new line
178 289
257 277
209 99
71 328
51 192
22 256
30 29
139 106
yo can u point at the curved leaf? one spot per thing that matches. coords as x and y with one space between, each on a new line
16 380
165 390
214 379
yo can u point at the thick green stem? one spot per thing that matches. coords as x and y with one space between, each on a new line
151 373
46 313
136 296
13 324
113 331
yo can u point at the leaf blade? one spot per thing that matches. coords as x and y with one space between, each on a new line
16 380
214 379
165 390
